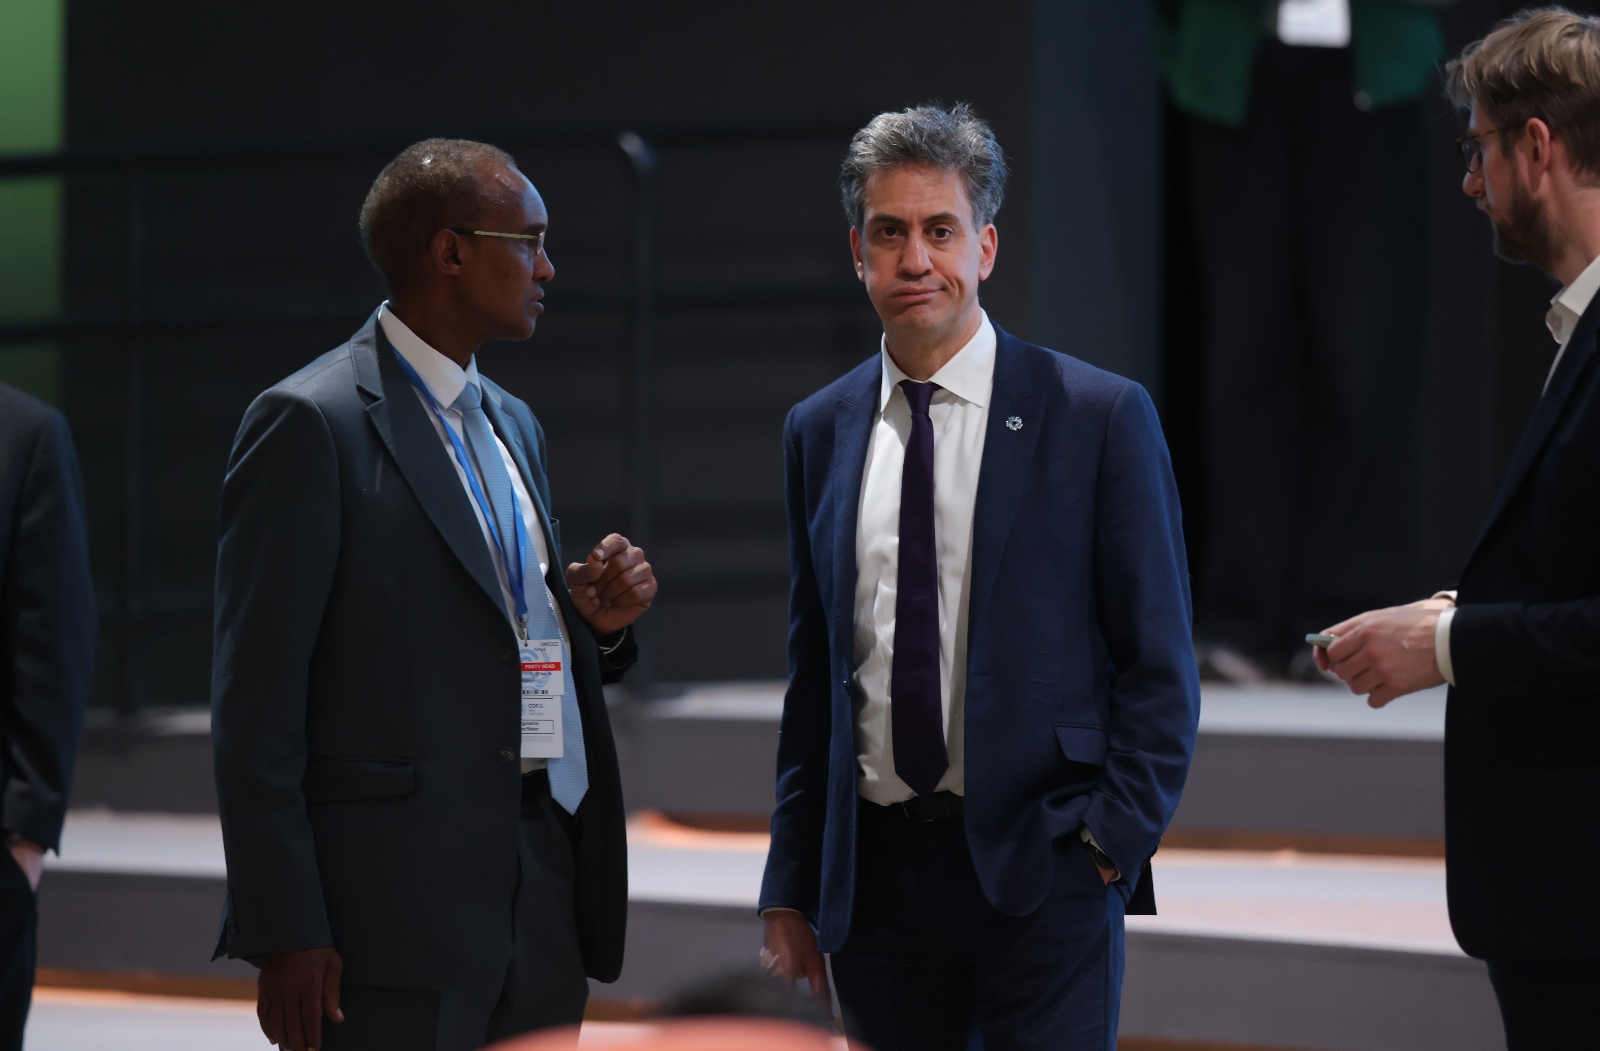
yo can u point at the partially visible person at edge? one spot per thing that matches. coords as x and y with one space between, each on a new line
47 642
419 790
992 691
1518 639
1299 126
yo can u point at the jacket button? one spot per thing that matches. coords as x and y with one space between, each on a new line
506 756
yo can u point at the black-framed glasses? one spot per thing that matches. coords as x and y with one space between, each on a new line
533 242
1471 147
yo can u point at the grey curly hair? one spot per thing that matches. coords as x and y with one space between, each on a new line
953 139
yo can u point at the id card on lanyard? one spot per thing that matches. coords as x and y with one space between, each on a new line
542 689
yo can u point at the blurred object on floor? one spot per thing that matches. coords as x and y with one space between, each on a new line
747 992
709 1034
1221 663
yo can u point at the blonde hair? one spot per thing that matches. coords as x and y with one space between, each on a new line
1543 63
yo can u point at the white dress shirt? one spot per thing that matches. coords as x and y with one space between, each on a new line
960 415
1566 308
446 380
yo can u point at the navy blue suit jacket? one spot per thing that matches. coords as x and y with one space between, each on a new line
1082 694
365 689
1522 780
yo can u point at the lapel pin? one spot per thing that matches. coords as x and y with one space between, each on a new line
1014 423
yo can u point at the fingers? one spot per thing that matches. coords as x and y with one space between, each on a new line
266 1013
579 574
330 990
1347 645
311 1017
608 547
639 577
292 1018
817 976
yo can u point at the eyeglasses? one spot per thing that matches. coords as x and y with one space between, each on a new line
1471 147
534 243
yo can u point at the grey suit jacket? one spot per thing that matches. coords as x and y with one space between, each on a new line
365 689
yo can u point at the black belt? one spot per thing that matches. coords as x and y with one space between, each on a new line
941 806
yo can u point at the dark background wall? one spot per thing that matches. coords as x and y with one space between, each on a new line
251 272
758 304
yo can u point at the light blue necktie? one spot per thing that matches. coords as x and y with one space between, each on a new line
569 775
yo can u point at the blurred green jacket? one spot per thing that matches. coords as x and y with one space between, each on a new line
1207 51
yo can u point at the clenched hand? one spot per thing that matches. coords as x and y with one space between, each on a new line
613 587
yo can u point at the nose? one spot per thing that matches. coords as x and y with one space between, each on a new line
1472 183
914 261
543 268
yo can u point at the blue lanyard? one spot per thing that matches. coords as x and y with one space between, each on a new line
512 561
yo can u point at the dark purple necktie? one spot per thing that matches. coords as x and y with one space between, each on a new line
916 713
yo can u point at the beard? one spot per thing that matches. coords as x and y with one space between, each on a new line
1525 234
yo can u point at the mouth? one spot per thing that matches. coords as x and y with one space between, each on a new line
913 296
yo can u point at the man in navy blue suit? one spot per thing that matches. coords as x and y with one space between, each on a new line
1519 640
992 689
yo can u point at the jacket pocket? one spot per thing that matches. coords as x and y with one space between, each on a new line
340 780
1083 744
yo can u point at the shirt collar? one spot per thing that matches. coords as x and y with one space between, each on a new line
444 379
969 375
1568 305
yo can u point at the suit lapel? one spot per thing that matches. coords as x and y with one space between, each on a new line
401 421
852 429
1580 348
1012 434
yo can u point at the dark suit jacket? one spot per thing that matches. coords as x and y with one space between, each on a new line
1082 694
1522 726
47 616
365 690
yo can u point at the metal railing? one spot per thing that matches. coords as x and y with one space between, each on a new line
135 171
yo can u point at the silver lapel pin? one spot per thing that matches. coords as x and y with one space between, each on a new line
1014 423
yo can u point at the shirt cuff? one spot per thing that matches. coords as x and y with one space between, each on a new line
1441 642
770 909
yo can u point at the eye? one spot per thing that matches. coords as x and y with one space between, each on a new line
941 234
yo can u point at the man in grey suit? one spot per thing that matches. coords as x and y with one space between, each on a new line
419 791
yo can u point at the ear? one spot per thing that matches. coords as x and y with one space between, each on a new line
855 254
444 251
1540 143
988 246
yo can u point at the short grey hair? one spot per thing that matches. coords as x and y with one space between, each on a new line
953 139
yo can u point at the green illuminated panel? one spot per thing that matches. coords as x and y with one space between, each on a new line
32 120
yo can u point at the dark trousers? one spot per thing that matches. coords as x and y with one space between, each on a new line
1548 1005
19 924
1310 228
929 960
542 985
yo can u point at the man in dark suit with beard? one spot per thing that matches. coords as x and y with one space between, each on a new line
419 790
1519 639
